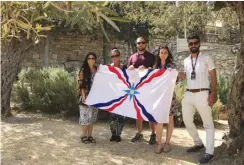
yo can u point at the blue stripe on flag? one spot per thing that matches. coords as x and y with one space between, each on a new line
144 77
144 111
126 76
100 105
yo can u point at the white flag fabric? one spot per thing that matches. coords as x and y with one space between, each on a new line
140 94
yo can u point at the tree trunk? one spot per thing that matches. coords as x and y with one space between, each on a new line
13 53
234 141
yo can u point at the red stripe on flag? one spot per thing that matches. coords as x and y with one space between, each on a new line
154 75
113 69
138 113
116 105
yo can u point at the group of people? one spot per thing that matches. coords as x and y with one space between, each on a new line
198 67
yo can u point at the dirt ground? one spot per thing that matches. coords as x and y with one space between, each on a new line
36 139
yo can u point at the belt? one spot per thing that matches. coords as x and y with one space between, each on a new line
197 90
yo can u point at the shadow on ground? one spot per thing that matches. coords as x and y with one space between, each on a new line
35 140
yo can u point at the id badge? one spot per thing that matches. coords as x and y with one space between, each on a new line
193 75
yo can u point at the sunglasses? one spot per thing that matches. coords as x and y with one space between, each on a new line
193 43
117 55
138 43
91 58
163 52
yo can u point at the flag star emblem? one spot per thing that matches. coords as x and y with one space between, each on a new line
132 91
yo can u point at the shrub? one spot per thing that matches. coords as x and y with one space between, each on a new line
50 90
216 109
180 89
223 87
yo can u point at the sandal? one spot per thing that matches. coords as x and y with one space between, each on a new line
159 149
91 139
84 139
167 147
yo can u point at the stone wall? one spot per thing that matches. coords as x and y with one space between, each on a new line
223 57
69 51
64 50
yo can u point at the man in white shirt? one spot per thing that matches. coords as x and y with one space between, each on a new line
197 69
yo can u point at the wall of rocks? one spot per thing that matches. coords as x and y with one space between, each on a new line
69 51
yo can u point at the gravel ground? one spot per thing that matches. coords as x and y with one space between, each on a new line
36 139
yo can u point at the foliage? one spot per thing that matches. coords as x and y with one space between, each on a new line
223 88
28 19
161 18
21 19
180 89
50 90
167 19
216 109
138 26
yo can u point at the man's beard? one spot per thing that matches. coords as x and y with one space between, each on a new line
141 49
195 49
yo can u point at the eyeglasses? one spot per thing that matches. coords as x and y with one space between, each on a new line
117 55
163 52
138 43
91 58
193 43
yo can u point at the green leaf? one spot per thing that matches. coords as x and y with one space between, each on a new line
44 36
91 16
39 18
59 8
45 14
119 19
105 3
108 11
25 20
46 4
23 25
109 21
96 3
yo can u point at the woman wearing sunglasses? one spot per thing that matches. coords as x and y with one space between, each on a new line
88 114
116 121
165 61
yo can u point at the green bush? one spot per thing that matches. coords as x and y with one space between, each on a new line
50 90
216 109
223 87
180 89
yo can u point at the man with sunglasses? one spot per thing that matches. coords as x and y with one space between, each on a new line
142 59
197 69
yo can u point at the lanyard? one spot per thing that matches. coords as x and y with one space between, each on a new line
193 67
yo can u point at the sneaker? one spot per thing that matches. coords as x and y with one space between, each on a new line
113 138
118 138
207 158
137 137
195 148
152 139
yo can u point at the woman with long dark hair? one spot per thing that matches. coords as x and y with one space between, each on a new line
116 121
88 114
165 61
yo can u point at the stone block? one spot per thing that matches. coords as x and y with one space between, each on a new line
36 56
54 56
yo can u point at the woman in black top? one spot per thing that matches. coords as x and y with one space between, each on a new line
88 114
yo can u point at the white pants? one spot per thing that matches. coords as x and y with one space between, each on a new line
191 102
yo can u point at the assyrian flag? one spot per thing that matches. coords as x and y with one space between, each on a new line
140 94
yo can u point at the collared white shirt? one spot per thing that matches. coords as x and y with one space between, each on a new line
204 64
